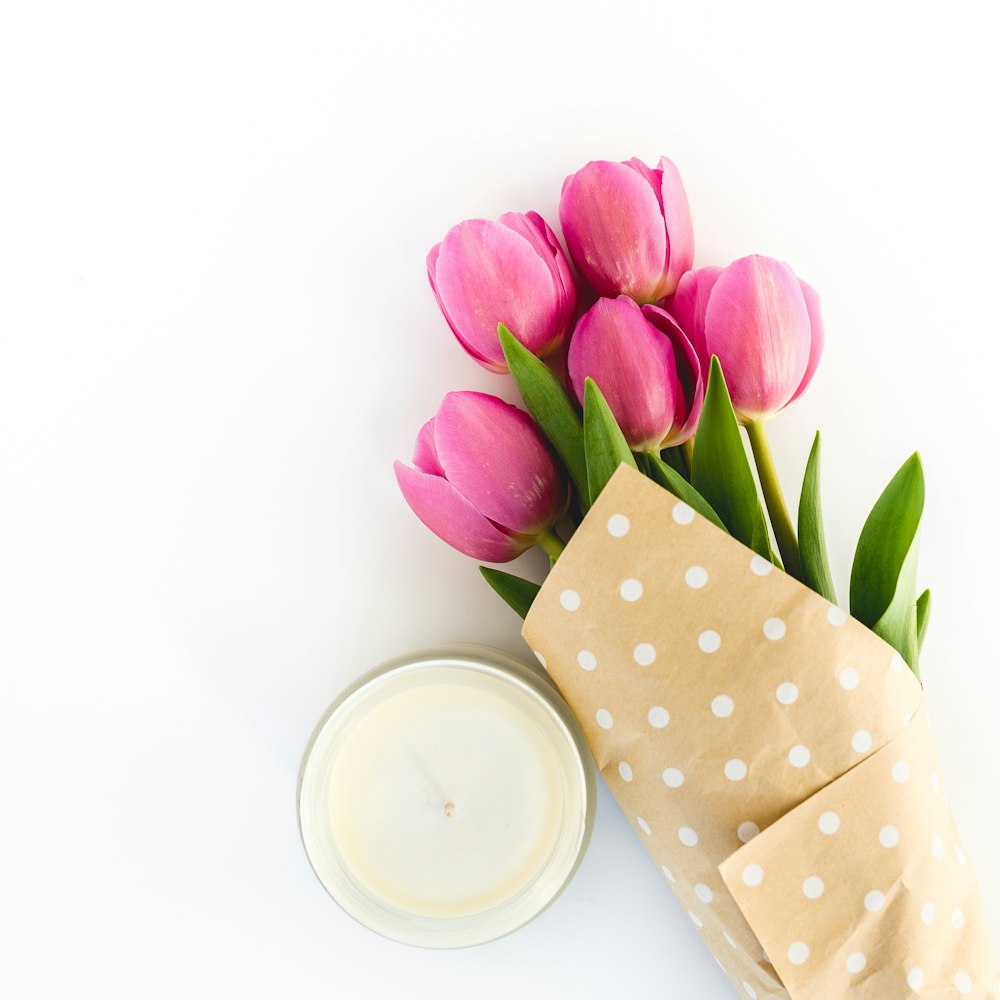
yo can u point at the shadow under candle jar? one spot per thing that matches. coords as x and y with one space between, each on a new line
447 797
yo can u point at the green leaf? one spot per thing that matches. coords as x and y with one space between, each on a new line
604 444
670 479
551 407
721 472
883 578
518 593
923 617
674 457
812 540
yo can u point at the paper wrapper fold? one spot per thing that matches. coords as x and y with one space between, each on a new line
772 753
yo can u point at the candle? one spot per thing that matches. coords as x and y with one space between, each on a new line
447 797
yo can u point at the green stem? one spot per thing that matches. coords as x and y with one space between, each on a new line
784 533
688 449
552 544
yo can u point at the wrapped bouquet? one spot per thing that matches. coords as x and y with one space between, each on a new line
771 750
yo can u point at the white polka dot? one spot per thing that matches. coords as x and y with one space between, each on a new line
963 983
658 717
936 783
928 912
957 918
888 836
861 741
625 770
736 770
849 678
856 962
604 718
631 590
570 600
673 778
799 755
774 628
829 823
695 919
749 990
760 566
787 693
915 978
541 659
747 831
897 664
709 641
874 901
813 887
729 939
668 873
722 706
703 892
753 875
960 855
643 825
696 577
644 654
682 513
835 615
900 772
798 953
618 525
586 659
688 837
937 848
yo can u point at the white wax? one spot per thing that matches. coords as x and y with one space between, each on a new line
447 798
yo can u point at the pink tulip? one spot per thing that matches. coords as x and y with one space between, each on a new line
764 325
483 481
511 271
628 227
644 366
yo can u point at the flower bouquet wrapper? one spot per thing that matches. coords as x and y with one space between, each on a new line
772 754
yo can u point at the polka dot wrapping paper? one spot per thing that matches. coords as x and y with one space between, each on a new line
772 753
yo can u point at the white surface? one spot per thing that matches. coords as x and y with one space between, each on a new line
217 335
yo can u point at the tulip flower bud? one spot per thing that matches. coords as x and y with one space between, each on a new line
628 227
645 367
764 325
511 271
484 480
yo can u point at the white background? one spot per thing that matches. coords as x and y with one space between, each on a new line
218 334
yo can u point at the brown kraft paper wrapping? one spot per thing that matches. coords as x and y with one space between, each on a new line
771 752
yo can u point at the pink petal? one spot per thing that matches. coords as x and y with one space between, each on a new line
680 231
654 178
425 453
537 231
818 336
758 325
614 230
493 454
453 519
487 273
690 394
688 307
634 366
432 259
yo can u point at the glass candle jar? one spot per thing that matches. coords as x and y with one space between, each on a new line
447 797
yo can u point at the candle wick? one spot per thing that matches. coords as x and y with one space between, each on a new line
449 809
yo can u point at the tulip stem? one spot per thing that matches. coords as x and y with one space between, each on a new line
784 533
552 544
688 450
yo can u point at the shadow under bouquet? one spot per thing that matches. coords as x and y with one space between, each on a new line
771 750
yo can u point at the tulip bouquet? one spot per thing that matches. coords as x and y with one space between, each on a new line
794 805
